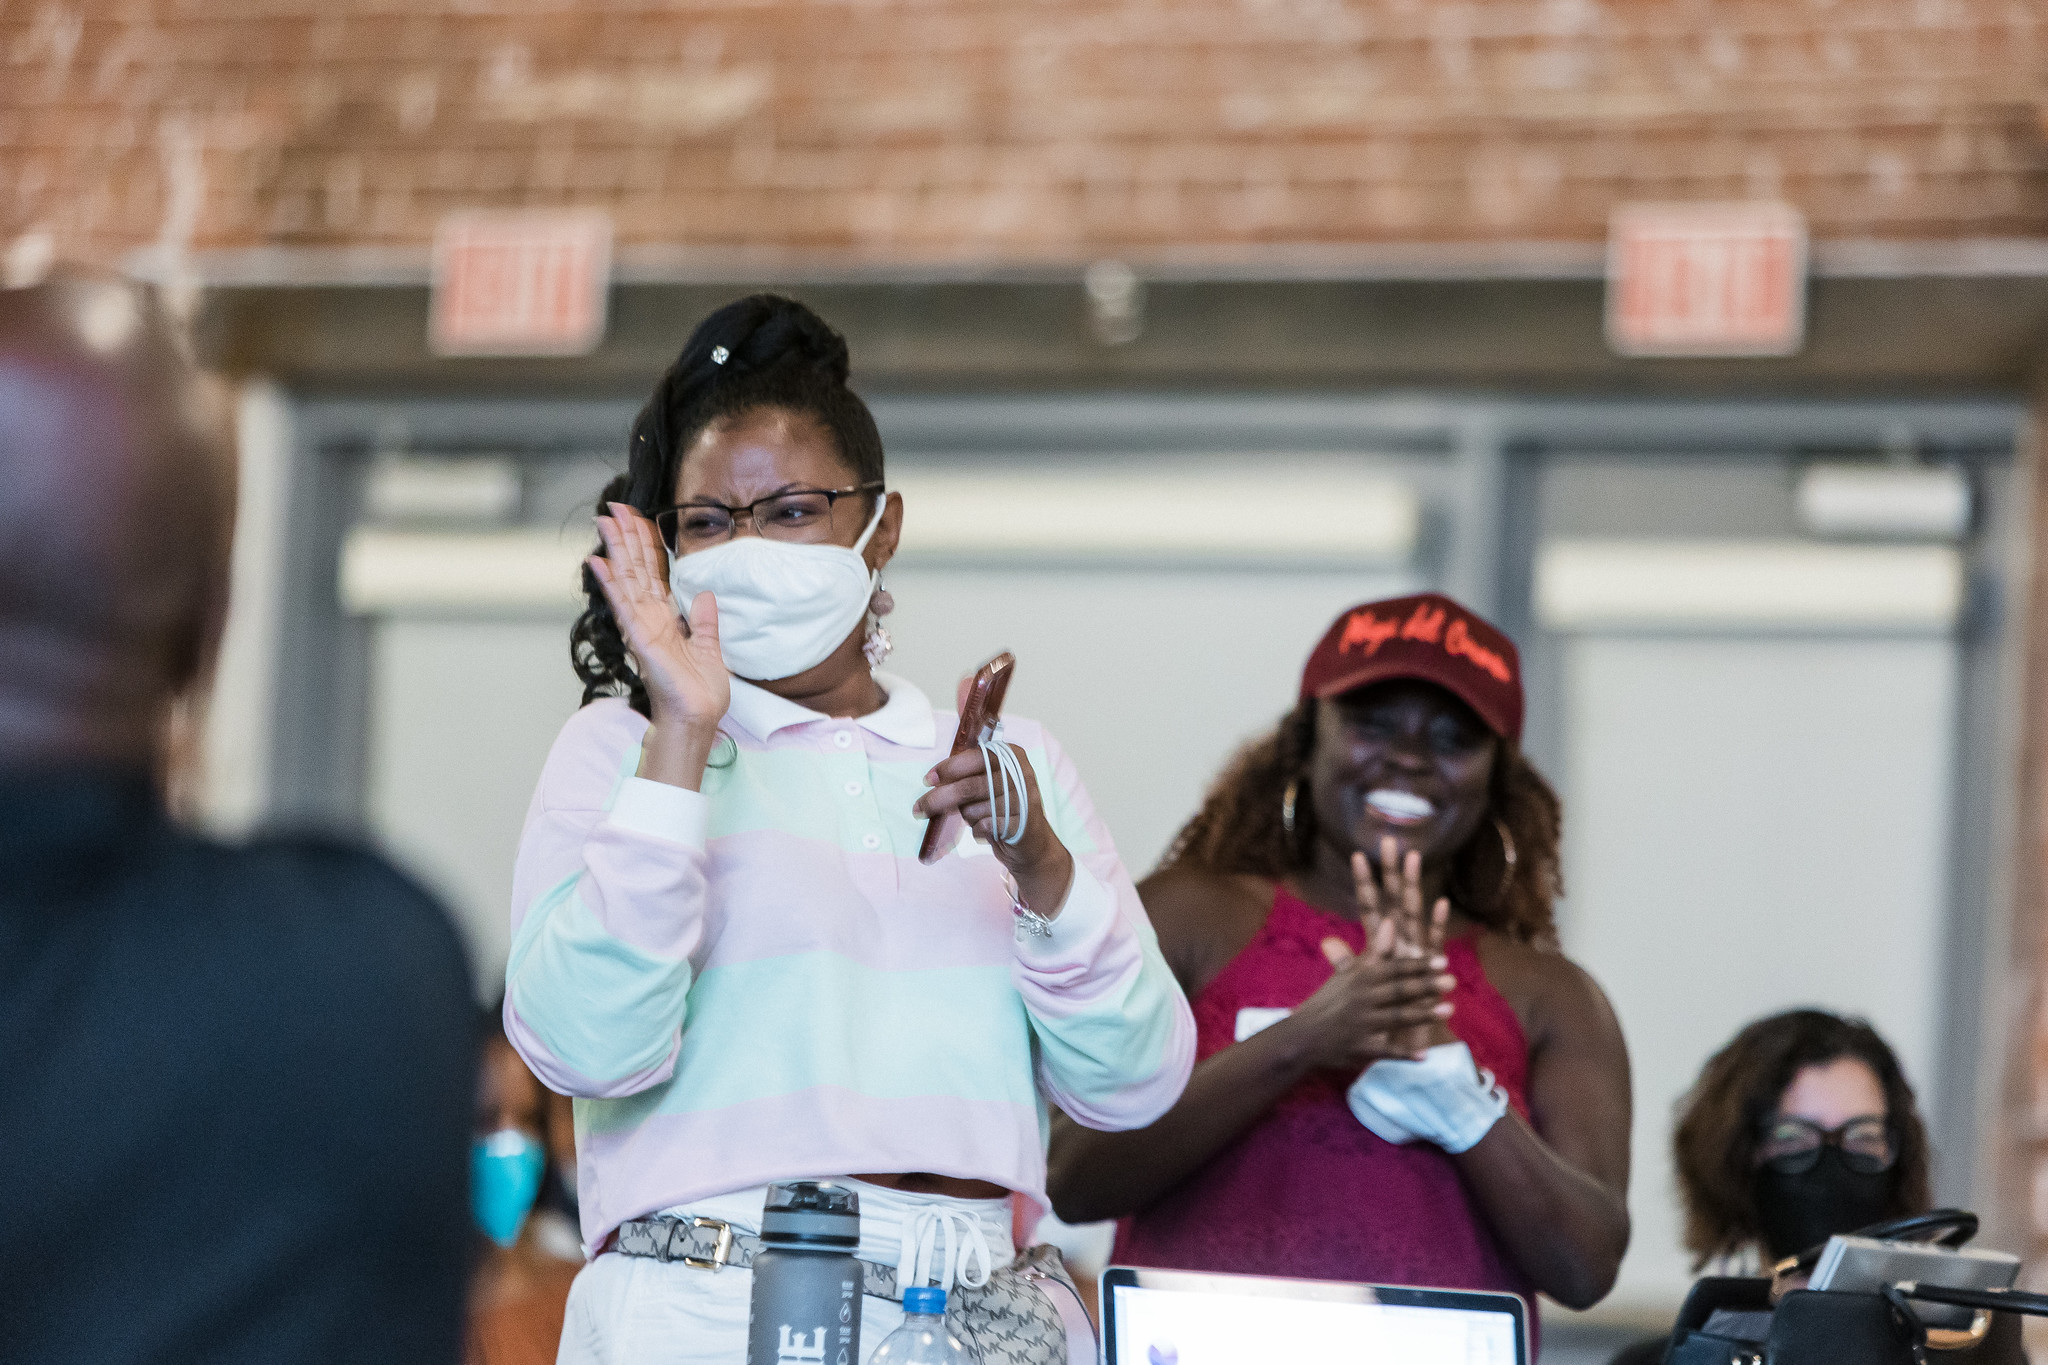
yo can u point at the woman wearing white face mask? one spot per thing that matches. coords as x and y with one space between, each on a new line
724 945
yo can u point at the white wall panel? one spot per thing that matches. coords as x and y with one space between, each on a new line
1754 824
462 712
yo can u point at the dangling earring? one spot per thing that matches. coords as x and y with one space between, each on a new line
878 644
1507 858
1287 806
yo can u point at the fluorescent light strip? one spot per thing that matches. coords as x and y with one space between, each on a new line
425 571
1308 512
1876 502
1592 585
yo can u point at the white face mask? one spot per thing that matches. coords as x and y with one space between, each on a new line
782 607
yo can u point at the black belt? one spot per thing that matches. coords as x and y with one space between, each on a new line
712 1244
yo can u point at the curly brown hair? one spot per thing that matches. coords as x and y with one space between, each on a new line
1239 830
1721 1121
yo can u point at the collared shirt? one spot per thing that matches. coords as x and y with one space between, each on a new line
761 982
905 718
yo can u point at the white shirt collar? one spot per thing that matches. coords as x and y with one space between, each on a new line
905 718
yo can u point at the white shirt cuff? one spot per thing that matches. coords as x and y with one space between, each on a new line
1086 916
661 811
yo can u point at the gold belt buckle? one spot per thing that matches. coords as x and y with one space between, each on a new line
721 1253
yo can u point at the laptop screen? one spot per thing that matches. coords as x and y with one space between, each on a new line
1155 1317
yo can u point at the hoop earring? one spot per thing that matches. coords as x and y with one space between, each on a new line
1507 856
1287 806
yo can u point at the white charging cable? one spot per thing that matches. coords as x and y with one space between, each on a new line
1007 816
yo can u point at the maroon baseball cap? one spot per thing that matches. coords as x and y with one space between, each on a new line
1427 636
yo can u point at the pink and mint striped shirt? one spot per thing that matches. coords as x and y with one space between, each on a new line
761 982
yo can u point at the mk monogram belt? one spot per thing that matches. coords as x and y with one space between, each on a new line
711 1244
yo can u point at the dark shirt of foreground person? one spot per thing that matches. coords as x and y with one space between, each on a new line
235 1082
234 1093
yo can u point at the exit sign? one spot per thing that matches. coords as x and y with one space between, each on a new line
520 283
1711 279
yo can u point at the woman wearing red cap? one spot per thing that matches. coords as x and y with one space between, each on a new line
1401 1080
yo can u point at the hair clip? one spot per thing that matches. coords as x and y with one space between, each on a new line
719 355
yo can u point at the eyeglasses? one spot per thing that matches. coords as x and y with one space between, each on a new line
1792 1146
802 514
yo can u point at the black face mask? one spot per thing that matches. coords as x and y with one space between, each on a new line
1800 1211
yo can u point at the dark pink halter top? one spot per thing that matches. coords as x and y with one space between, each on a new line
1309 1191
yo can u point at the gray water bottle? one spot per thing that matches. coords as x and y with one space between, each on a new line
806 1304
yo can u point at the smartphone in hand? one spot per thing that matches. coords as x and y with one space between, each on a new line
981 706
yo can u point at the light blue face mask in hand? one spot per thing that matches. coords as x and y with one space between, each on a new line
504 1179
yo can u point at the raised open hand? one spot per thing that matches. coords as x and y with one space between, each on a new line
1394 895
679 662
1392 901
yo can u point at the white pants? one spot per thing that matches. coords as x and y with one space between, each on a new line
633 1310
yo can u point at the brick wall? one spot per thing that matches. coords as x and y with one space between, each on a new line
1015 129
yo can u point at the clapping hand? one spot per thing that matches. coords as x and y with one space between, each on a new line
1392 903
1387 1001
688 688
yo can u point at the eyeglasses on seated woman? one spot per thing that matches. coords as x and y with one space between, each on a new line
1801 1128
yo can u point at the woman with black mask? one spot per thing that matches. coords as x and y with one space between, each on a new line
1801 1128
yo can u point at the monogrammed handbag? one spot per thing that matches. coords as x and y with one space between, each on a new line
1013 1319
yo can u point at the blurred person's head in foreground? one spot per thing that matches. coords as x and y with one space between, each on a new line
115 518
260 1052
1802 1127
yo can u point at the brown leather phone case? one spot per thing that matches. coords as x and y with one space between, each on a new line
981 706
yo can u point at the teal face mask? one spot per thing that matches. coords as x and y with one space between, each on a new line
504 1178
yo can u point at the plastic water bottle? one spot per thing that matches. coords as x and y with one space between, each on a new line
806 1301
923 1338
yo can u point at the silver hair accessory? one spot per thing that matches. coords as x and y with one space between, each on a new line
719 355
